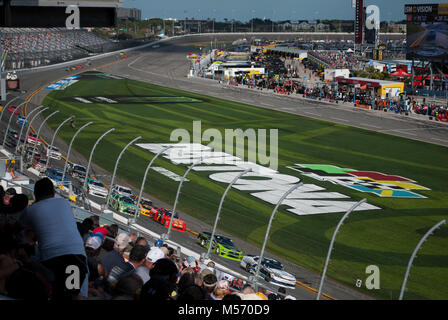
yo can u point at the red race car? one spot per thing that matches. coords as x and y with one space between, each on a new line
163 216
11 110
32 139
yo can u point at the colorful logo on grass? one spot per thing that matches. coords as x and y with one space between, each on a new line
378 183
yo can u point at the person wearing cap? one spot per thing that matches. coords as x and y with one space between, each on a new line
59 243
93 247
162 285
115 257
101 230
152 257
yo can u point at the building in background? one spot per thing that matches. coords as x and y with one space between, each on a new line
129 14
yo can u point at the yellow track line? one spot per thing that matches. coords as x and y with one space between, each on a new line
46 85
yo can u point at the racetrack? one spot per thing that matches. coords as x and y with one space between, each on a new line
167 66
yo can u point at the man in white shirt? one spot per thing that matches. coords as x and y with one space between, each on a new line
153 255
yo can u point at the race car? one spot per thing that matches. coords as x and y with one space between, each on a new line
14 109
163 216
96 188
77 170
222 245
122 190
122 204
146 208
54 153
271 270
56 175
39 164
21 120
32 139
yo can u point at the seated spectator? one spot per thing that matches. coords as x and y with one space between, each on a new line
209 283
248 293
10 192
141 241
115 257
221 290
191 293
136 259
113 230
165 251
93 247
163 281
84 228
101 230
17 205
107 247
59 242
127 287
96 221
152 257
281 293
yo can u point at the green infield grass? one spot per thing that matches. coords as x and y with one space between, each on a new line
385 238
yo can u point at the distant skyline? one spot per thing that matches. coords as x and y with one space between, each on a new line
244 10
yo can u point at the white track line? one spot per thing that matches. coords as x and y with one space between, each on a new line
339 119
371 125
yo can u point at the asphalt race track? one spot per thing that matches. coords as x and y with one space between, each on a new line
166 64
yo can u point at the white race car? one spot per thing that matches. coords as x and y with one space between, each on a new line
96 188
271 270
53 153
122 190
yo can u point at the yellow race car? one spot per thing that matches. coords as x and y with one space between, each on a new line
145 207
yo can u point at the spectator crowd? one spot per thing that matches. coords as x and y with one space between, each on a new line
47 255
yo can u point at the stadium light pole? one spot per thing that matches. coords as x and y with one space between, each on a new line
166 236
52 140
23 125
266 237
7 105
70 148
341 222
91 156
9 122
116 166
29 127
144 180
38 132
430 231
207 255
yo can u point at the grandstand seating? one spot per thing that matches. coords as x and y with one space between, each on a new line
31 47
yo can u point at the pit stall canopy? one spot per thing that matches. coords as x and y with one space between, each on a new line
381 87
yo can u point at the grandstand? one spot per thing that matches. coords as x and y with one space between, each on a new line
32 47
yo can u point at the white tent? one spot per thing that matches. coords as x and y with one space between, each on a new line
350 50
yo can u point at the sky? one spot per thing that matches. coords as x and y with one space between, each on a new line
244 10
